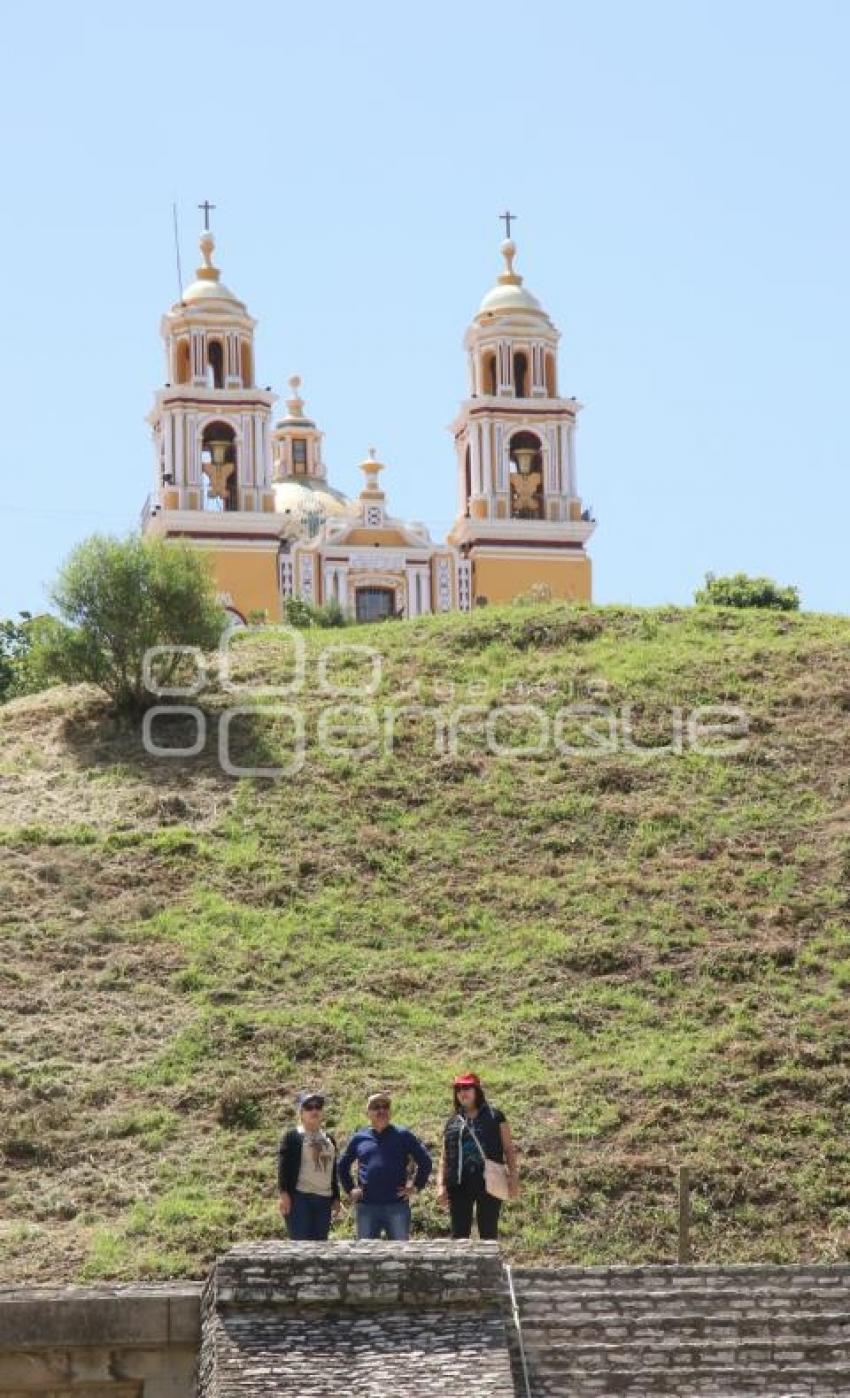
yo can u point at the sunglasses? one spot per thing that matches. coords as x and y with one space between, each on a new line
311 1106
379 1109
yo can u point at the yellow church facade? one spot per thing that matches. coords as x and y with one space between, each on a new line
255 494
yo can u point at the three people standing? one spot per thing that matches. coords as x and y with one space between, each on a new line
392 1165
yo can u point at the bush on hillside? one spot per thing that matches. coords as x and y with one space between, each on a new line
297 612
739 590
116 600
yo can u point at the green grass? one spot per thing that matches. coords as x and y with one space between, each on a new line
645 953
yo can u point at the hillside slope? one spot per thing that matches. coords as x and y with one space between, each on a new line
645 955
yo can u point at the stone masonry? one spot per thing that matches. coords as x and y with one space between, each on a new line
695 1331
376 1319
380 1319
99 1341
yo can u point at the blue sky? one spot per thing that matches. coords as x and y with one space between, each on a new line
679 173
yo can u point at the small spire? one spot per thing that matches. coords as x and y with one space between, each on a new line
371 469
207 273
509 276
295 404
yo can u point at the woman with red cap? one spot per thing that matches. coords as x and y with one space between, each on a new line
475 1137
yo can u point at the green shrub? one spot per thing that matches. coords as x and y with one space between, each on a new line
298 612
239 1109
21 642
739 590
116 600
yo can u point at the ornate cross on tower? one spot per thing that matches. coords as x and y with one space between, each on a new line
507 219
207 209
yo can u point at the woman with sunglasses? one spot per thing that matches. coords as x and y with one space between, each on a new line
306 1173
476 1131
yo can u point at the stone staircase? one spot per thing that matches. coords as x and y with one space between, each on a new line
696 1332
375 1319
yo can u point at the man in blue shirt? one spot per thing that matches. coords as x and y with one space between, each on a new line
382 1153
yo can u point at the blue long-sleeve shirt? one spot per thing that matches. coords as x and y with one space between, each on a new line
382 1158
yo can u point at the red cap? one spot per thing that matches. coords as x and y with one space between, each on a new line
467 1080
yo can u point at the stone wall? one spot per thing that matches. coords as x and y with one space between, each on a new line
375 1319
380 1319
99 1342
694 1332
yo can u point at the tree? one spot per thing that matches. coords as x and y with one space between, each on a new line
118 598
15 641
739 590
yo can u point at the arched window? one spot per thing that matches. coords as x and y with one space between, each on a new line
299 456
374 603
526 476
551 384
245 360
218 463
488 373
215 354
520 374
468 476
182 362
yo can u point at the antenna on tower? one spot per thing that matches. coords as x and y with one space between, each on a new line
177 251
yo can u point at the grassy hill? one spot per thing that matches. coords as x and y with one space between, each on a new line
645 954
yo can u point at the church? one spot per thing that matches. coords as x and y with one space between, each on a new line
255 493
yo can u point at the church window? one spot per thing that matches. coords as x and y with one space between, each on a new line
374 603
218 463
182 362
245 355
526 476
216 358
550 375
299 456
489 367
520 374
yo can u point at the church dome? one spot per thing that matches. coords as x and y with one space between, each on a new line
509 298
509 295
308 496
201 290
207 291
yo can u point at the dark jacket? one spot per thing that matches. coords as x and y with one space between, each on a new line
289 1161
486 1124
382 1159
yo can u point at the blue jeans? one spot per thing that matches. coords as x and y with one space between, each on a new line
309 1219
373 1219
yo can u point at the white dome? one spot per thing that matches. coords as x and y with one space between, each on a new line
296 497
509 296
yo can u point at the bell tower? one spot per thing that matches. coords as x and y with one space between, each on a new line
520 521
211 425
211 429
